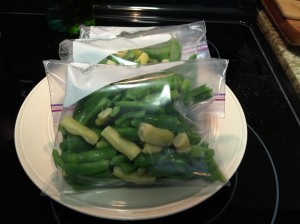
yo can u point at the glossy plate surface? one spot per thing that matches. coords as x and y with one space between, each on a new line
34 136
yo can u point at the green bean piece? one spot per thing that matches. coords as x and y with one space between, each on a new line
180 164
185 89
117 97
103 61
63 145
141 171
215 173
95 129
200 93
102 143
197 151
159 172
57 158
175 50
79 107
192 57
175 94
173 81
158 99
129 133
137 92
128 148
96 102
158 53
91 108
185 86
87 168
209 153
103 117
130 55
152 61
76 128
136 122
130 114
133 176
201 152
154 135
76 143
172 166
115 111
194 137
98 176
146 160
182 143
124 124
89 156
137 105
118 159
151 149
162 121
204 96
127 167
142 161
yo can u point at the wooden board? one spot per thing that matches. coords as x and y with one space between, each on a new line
289 9
289 29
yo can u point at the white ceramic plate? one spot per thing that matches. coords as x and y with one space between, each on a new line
34 136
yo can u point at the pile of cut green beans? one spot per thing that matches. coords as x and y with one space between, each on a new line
164 52
130 132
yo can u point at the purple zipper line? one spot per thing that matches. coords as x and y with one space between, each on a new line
58 104
54 106
199 48
56 110
220 99
202 47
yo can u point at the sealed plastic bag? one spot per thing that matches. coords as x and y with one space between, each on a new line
145 125
110 32
148 47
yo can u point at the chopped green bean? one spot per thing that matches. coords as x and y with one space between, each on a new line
133 176
155 136
76 128
130 114
129 133
128 148
57 159
175 50
87 168
138 105
89 156
118 159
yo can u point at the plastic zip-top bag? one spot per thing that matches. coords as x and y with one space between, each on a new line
137 125
88 50
110 32
160 44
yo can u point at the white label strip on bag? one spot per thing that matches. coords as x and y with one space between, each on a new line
95 50
109 32
82 80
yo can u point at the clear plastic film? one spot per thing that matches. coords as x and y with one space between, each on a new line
137 125
184 31
160 44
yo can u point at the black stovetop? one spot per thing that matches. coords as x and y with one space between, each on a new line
264 189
